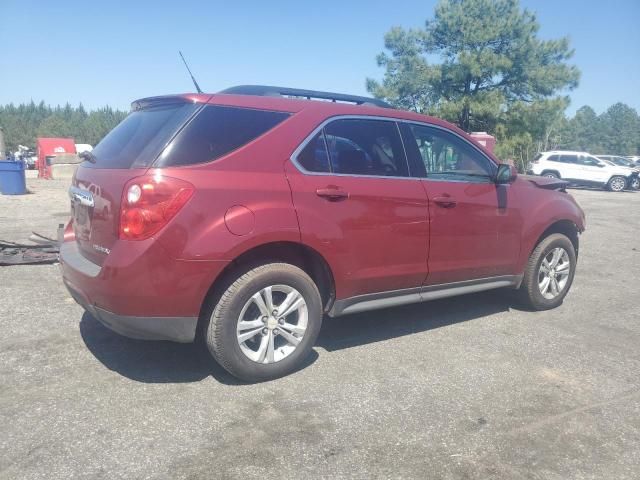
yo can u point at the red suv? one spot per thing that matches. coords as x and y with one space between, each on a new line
243 217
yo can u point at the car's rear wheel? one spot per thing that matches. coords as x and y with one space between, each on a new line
549 273
550 174
265 323
617 184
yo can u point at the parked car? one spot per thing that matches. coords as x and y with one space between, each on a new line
620 161
616 161
635 159
241 218
582 168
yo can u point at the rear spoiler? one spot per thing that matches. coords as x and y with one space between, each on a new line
147 102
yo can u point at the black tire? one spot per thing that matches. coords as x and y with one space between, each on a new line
221 321
549 174
617 183
529 292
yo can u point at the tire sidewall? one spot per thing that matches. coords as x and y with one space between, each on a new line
548 244
227 351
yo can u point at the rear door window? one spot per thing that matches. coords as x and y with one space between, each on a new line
216 131
569 158
366 147
139 138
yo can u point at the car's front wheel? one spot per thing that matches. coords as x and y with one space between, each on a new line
549 273
635 183
617 184
265 323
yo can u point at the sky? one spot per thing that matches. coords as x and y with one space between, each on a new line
112 52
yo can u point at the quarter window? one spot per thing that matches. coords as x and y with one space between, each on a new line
365 147
314 157
216 131
443 156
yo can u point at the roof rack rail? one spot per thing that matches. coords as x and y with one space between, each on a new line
269 91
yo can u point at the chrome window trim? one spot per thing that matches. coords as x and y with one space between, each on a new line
397 121
319 128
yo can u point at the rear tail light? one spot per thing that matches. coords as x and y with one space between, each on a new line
149 202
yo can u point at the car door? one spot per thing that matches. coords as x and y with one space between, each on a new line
593 170
475 224
568 166
359 208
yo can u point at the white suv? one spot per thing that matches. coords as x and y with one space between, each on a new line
581 168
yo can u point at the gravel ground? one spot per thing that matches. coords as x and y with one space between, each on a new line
464 388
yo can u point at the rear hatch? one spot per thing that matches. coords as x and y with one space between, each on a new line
126 152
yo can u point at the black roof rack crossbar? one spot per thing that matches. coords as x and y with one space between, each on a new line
269 91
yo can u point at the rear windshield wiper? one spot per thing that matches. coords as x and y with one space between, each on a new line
87 156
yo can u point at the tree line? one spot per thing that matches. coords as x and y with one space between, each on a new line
522 131
477 63
23 123
481 65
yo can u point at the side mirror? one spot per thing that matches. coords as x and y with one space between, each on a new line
506 174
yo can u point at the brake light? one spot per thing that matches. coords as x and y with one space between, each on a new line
149 202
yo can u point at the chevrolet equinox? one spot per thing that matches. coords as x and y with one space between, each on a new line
241 218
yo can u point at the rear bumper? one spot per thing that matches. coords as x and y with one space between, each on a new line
140 294
176 329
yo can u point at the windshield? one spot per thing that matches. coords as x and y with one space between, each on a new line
622 161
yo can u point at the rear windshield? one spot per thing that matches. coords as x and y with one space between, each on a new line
216 131
139 138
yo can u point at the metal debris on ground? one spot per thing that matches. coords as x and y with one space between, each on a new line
42 250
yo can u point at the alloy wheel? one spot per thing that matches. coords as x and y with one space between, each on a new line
617 184
272 324
553 274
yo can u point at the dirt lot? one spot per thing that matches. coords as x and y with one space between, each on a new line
467 388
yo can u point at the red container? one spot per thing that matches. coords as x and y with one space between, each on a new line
51 147
484 139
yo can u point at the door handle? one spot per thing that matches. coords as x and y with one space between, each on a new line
445 201
332 194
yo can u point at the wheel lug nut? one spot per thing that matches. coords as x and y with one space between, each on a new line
275 313
264 319
265 331
281 321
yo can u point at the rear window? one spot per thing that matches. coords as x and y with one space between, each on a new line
216 131
139 138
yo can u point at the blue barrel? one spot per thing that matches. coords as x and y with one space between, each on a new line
12 178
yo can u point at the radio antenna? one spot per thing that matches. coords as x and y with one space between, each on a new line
189 70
